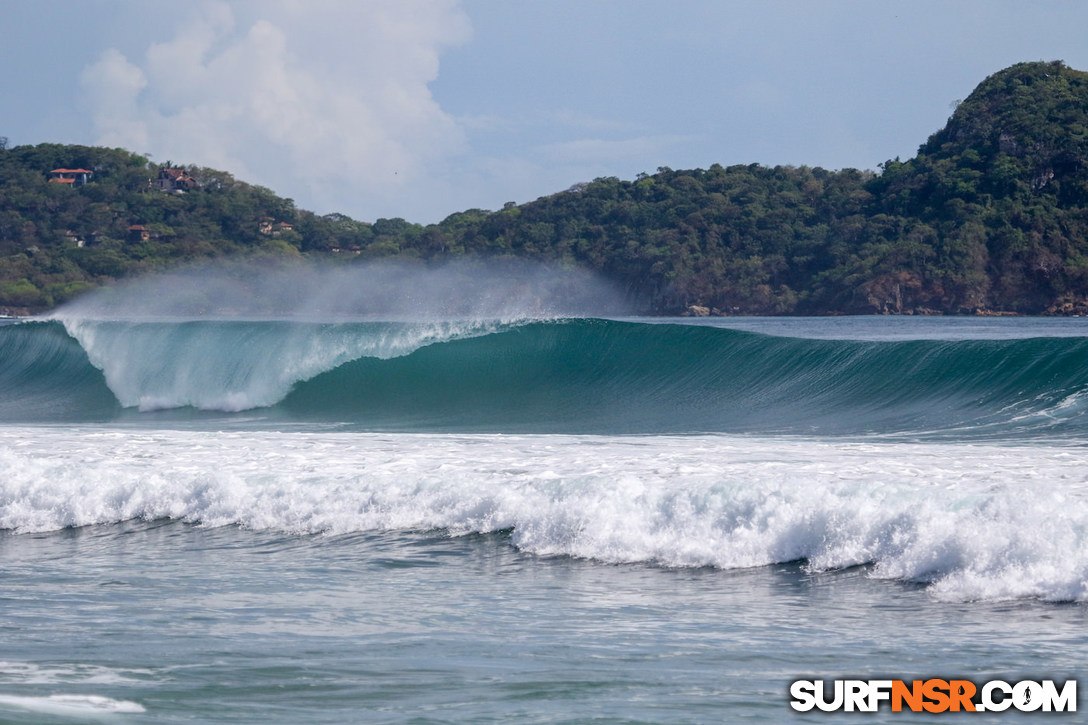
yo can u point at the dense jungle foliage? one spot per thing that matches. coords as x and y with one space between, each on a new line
990 216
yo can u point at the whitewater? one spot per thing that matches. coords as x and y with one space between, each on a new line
481 518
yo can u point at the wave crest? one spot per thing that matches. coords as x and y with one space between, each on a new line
559 376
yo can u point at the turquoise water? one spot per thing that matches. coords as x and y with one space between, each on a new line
568 521
561 376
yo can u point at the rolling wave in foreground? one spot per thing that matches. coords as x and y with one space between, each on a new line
974 522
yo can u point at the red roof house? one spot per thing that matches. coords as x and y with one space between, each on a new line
75 177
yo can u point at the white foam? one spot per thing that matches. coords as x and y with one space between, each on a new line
72 705
29 673
978 521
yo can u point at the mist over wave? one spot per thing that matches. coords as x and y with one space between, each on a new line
386 290
175 339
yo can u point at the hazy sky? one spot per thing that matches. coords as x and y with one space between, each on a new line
420 108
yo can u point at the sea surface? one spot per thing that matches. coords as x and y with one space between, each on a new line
543 520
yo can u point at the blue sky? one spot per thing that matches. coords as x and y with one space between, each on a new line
420 108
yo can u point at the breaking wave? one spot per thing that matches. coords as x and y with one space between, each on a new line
559 376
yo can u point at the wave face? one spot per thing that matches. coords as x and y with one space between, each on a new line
45 376
565 376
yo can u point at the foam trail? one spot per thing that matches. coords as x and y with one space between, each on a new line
72 705
973 521
28 673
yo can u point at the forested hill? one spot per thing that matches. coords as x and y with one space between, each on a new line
990 216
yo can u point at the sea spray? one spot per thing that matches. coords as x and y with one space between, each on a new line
502 290
266 326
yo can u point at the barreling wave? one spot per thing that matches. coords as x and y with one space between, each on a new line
570 376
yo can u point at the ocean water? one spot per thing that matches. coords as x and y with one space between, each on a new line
547 520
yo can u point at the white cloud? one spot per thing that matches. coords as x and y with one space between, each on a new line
115 83
324 101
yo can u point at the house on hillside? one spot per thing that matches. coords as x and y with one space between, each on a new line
173 180
138 233
270 227
75 177
72 238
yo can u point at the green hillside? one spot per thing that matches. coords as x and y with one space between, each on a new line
991 216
